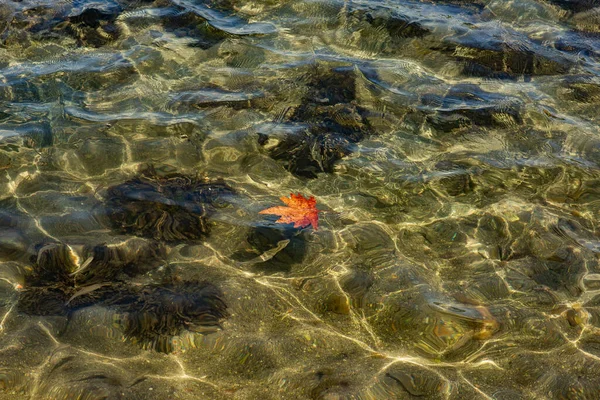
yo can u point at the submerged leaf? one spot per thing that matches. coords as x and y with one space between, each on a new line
300 211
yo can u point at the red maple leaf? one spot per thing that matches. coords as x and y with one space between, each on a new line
300 211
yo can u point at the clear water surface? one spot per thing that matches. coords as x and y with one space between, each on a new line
453 147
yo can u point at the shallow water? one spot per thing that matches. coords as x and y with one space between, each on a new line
453 147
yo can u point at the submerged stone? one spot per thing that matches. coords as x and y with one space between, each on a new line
356 283
330 120
93 27
188 24
47 301
467 105
60 283
575 5
92 23
173 207
454 178
580 89
414 380
488 52
12 243
152 314
272 249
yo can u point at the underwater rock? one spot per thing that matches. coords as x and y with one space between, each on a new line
149 314
90 23
330 124
188 24
59 273
415 380
30 135
575 43
326 384
493 232
454 178
93 27
376 30
152 314
487 52
53 263
580 89
397 26
579 234
112 262
575 5
587 21
13 224
236 54
467 105
12 243
171 208
356 283
559 272
47 301
60 263
71 375
273 249
209 24
35 19
98 155
213 96
5 16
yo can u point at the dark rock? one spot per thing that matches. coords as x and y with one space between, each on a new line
414 380
90 23
487 52
212 97
455 178
330 124
188 24
397 26
576 5
326 384
261 240
12 243
149 314
468 105
50 300
580 88
108 263
356 284
93 28
168 309
172 207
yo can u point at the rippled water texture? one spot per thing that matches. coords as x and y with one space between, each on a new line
453 147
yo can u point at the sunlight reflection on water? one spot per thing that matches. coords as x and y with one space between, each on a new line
452 146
